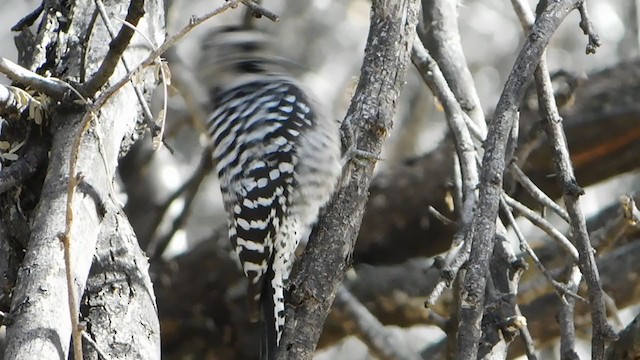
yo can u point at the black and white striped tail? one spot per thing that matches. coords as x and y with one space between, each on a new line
278 160
269 334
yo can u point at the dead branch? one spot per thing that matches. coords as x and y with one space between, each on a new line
484 222
602 127
439 32
321 269
571 192
387 345
116 49
52 87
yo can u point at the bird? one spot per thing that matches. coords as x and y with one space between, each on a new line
278 158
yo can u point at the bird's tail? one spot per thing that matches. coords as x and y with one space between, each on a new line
269 319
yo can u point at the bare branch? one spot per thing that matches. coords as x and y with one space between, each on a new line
467 155
493 165
259 11
465 148
537 193
587 27
602 331
602 128
379 339
565 318
441 36
154 55
116 48
321 269
544 225
50 86
159 242
148 116
524 246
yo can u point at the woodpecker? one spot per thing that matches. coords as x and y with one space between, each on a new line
278 158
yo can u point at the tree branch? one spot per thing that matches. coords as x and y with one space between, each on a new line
382 341
41 327
116 49
119 291
602 127
482 230
321 269
440 35
571 192
49 86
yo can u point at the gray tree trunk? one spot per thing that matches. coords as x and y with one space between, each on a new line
119 308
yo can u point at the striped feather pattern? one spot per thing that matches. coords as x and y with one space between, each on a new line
278 160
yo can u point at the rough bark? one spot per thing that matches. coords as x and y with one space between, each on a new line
370 117
119 292
71 44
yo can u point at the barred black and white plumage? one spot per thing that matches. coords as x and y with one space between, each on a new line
278 160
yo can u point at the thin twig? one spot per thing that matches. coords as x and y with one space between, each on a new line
466 154
370 330
183 80
143 103
543 224
529 344
571 192
158 244
156 126
587 27
560 289
258 11
168 43
442 38
536 193
457 255
117 47
465 147
438 215
565 318
95 346
71 291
